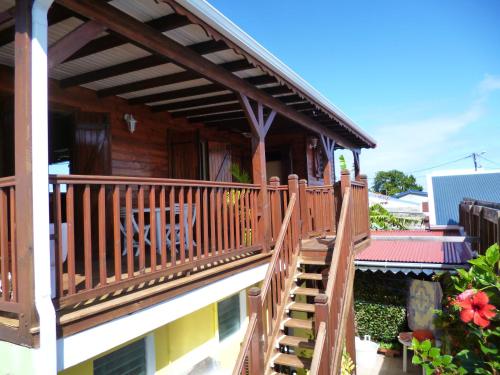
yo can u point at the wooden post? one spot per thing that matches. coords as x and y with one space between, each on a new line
355 154
327 172
364 179
321 315
345 180
275 202
259 178
256 355
293 188
328 147
304 212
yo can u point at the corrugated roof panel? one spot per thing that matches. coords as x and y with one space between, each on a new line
449 191
189 34
220 57
144 10
6 4
206 106
191 97
7 54
249 73
416 252
166 88
138 75
99 60
62 28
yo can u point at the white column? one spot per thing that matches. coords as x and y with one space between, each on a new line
47 353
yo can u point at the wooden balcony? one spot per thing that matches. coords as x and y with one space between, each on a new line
120 244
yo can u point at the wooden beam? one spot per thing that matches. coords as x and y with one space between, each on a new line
232 107
197 90
137 64
169 79
195 102
152 40
218 117
56 14
161 24
7 15
73 41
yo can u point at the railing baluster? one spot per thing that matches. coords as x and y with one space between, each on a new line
213 223
237 193
205 222
13 248
197 219
129 231
173 246
142 243
87 237
219 221
225 228
70 219
4 245
58 245
181 226
231 198
152 227
190 222
116 233
102 234
163 229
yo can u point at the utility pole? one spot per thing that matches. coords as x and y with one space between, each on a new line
475 157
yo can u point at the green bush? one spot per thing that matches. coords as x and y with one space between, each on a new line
382 322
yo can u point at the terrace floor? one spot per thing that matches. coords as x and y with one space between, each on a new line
389 366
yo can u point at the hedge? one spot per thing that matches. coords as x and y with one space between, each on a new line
380 305
382 322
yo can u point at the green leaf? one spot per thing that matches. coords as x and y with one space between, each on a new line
434 352
492 254
416 360
425 345
486 350
446 359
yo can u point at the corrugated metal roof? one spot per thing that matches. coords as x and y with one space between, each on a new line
411 192
416 252
143 10
449 191
406 233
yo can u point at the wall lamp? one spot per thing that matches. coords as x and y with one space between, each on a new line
131 122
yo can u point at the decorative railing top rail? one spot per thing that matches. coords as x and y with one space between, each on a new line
480 219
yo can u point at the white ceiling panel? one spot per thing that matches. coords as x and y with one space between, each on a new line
160 89
143 10
189 34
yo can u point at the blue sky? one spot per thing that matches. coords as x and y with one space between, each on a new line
422 77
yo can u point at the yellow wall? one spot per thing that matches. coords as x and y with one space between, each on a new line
180 337
183 335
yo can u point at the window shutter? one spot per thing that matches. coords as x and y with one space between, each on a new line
129 360
228 312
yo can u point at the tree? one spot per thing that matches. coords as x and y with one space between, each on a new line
393 182
381 219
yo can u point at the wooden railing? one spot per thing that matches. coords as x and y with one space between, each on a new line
481 219
268 304
359 191
332 308
243 364
317 209
114 232
9 301
278 202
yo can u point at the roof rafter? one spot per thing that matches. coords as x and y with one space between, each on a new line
152 40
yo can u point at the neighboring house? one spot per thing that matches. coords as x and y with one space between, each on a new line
420 197
448 188
393 204
136 257
415 251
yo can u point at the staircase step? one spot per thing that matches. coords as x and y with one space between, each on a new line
306 291
309 276
298 323
299 306
292 360
297 342
312 262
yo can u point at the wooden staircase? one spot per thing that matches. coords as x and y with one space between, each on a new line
301 317
295 344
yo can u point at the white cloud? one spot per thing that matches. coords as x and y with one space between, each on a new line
416 144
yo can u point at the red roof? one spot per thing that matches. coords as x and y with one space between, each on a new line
416 252
412 250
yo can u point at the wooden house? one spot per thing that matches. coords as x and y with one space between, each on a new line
125 231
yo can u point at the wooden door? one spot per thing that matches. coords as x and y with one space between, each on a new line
184 155
219 161
91 144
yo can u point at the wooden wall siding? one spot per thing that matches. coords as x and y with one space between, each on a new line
315 160
219 161
6 137
296 142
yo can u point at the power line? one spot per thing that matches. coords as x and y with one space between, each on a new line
441 165
491 161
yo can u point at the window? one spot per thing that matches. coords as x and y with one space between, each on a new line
228 314
129 360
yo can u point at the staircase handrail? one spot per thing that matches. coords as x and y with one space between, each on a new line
243 365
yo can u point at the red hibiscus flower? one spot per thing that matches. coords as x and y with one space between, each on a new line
474 307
